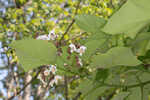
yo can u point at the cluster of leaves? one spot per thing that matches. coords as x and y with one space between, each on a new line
31 18
125 41
116 62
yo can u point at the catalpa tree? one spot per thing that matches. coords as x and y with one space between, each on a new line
107 60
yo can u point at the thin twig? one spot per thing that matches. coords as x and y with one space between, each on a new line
72 22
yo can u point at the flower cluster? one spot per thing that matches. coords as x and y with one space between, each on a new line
80 50
48 75
50 36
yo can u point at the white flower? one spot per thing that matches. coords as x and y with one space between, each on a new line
80 62
56 78
43 37
81 50
46 72
52 36
52 82
72 47
53 69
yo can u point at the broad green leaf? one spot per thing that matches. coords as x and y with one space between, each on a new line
101 75
115 57
130 79
146 91
96 42
97 39
144 76
96 93
120 96
90 23
130 19
92 47
91 90
85 86
33 53
135 94
141 43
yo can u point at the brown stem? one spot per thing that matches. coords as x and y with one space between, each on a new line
66 87
72 22
77 96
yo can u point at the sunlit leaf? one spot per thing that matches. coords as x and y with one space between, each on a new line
115 57
34 53
130 19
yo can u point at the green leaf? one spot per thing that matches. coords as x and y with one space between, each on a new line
90 23
135 94
141 44
115 57
91 90
33 53
96 42
97 92
130 77
85 86
130 19
144 76
101 74
120 96
92 47
97 39
146 91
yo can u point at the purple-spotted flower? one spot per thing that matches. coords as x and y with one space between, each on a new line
55 80
53 69
52 36
81 50
72 48
43 37
46 72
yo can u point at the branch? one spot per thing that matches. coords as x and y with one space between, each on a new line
77 96
26 85
27 91
66 88
41 96
72 22
22 6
